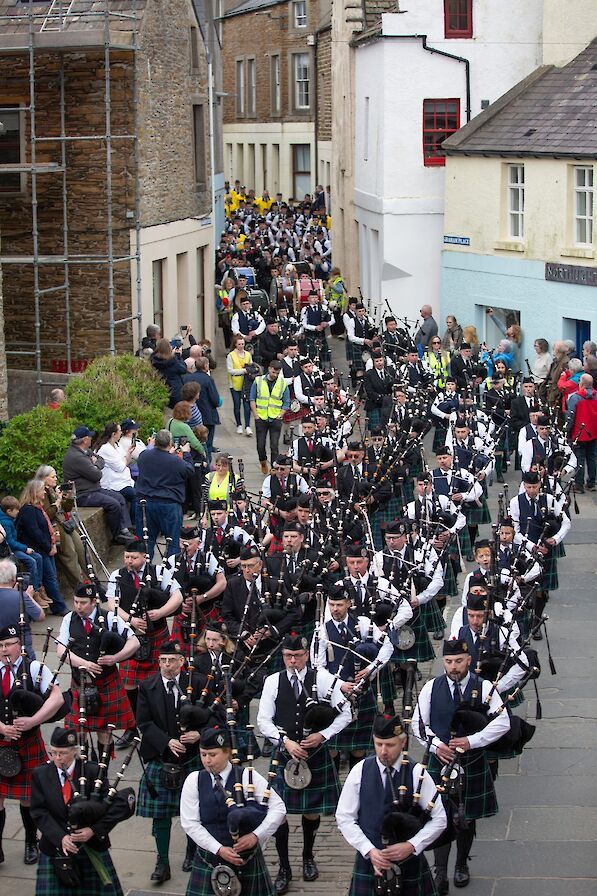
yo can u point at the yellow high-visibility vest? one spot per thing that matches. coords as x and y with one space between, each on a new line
269 404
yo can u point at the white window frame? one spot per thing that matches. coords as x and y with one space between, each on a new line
301 64
515 202
299 13
584 204
240 75
276 84
251 87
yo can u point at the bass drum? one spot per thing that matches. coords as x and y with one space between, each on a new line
305 287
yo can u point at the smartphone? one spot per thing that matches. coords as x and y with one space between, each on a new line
183 328
134 439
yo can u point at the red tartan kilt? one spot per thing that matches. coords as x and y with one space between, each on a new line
275 546
290 417
114 706
133 673
33 753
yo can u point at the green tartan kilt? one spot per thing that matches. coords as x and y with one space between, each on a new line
354 355
524 622
408 489
417 879
322 794
359 734
167 802
373 417
476 516
387 682
385 514
254 876
559 550
433 618
480 800
439 436
512 704
47 884
549 577
422 650
465 541
308 630
449 588
310 347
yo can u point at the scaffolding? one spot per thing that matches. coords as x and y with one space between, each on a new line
63 27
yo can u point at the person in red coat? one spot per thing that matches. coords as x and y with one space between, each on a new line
581 423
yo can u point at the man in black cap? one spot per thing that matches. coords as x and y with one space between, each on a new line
370 794
145 604
282 708
378 391
84 468
461 487
310 455
167 741
306 382
300 568
20 733
204 817
271 345
84 631
462 367
434 719
315 321
52 790
358 338
354 470
224 538
543 449
522 405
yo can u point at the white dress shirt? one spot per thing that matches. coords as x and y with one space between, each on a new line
362 630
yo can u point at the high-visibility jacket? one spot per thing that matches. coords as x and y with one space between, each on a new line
238 362
439 368
269 404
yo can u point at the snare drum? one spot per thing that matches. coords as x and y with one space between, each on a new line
305 287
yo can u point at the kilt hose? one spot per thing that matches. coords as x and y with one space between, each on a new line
114 705
132 672
479 797
422 650
322 794
32 751
167 802
47 884
417 879
254 876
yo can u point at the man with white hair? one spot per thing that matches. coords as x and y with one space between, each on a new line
428 328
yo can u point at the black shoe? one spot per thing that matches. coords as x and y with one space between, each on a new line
499 478
579 489
121 539
438 635
538 635
122 743
283 879
591 488
470 558
1 856
266 749
462 877
442 884
161 872
310 869
31 854
188 859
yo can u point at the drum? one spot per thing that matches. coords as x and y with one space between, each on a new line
285 291
305 287
249 273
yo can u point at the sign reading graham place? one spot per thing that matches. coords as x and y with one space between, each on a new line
570 273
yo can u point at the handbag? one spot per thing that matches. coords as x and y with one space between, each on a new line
68 525
66 870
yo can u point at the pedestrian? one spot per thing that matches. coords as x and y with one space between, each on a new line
167 361
427 330
452 335
10 604
237 362
208 402
161 485
35 529
269 399
581 425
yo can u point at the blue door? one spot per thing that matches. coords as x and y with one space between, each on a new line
583 334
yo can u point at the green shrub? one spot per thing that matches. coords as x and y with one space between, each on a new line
114 388
40 436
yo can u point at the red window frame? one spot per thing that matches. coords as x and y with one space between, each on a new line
458 18
441 117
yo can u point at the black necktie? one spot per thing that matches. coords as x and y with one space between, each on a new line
296 687
170 695
457 693
343 632
390 777
218 786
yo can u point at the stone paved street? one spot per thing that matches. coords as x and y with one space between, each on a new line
542 843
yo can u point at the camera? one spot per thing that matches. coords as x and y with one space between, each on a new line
66 487
183 328
176 343
134 439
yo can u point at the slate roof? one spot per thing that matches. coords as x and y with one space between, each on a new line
83 16
251 6
551 113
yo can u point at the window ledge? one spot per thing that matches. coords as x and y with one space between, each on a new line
577 252
509 245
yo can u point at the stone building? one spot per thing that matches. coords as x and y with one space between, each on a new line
110 228
272 96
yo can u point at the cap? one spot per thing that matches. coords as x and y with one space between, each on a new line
293 526
356 550
217 504
455 648
283 460
398 527
64 737
339 591
135 546
216 625
250 553
86 589
188 532
442 451
476 601
9 631
170 648
129 424
531 478
543 420
387 726
215 738
292 641
82 432
482 543
356 446
464 345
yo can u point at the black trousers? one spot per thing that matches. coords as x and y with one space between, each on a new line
262 428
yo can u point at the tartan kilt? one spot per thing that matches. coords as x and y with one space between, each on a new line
387 682
439 436
422 650
433 618
114 706
180 632
408 488
33 754
310 347
322 794
480 800
132 673
373 417
559 550
450 587
476 516
465 541
354 355
254 876
417 879
524 622
549 577
307 629
291 417
167 802
359 734
387 513
47 884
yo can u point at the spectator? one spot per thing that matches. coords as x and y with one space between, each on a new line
84 468
208 401
55 399
571 348
591 367
513 334
58 504
427 330
116 475
588 348
36 530
224 307
190 392
171 367
152 335
269 398
236 364
163 475
219 481
130 436
453 337
9 510
581 424
10 604
560 359
503 352
470 335
569 380
541 362
181 432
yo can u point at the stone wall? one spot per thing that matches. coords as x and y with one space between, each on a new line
3 376
324 85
